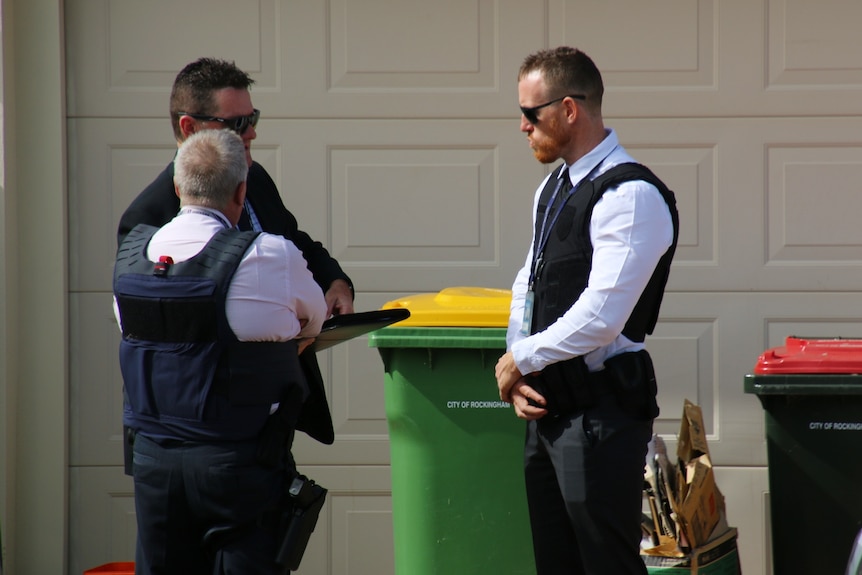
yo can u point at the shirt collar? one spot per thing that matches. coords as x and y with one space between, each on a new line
211 212
594 157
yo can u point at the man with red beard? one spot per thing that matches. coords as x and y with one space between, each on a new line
604 233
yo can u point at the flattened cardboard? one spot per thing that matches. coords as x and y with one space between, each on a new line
692 436
699 503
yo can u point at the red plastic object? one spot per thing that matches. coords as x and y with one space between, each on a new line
804 356
117 568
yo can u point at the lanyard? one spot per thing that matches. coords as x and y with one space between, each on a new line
215 215
544 234
545 230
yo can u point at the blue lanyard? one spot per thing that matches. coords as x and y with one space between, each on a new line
545 231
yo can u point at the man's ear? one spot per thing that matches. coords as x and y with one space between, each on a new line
572 110
177 190
188 126
239 194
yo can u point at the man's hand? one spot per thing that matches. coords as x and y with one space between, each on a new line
304 343
507 374
339 298
529 403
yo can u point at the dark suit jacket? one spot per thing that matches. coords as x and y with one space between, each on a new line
158 204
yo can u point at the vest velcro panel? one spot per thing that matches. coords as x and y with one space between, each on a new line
152 311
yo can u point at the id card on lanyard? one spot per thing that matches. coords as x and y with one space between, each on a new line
544 232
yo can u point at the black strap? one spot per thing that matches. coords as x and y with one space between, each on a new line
627 172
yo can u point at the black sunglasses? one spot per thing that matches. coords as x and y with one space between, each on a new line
239 124
530 113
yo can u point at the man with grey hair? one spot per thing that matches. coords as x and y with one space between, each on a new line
213 322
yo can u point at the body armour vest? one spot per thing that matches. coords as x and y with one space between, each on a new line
567 258
186 375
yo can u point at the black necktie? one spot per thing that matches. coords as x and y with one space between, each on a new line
560 197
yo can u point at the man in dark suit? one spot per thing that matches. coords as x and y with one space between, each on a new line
214 94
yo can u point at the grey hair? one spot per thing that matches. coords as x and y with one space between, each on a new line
209 166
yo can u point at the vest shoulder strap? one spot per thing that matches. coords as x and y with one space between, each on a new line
615 176
629 172
219 259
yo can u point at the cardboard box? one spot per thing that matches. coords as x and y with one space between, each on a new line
692 436
718 557
698 504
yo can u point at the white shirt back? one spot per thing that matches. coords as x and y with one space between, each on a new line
272 290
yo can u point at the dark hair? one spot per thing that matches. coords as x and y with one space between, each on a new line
566 70
195 85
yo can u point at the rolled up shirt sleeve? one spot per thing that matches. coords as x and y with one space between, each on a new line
273 293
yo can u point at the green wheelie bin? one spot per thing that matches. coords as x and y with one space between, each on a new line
811 393
458 498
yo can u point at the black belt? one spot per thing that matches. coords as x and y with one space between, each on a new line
569 387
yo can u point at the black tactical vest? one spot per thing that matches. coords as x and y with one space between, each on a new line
567 258
186 375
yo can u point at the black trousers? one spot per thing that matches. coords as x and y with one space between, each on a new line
584 477
205 509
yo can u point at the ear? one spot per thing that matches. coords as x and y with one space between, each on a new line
572 110
177 190
239 195
188 126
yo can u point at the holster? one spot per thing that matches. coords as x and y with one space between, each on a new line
299 520
633 377
569 387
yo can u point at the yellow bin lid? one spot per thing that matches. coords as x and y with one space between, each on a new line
456 307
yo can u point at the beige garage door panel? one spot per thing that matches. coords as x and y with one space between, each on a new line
404 205
771 200
102 526
122 57
363 58
460 59
110 162
747 510
729 58
703 346
765 204
95 382
417 205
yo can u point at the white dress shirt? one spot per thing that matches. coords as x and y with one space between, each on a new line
630 230
272 289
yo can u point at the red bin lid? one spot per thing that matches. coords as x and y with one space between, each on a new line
799 355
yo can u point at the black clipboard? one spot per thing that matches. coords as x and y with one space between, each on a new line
341 328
